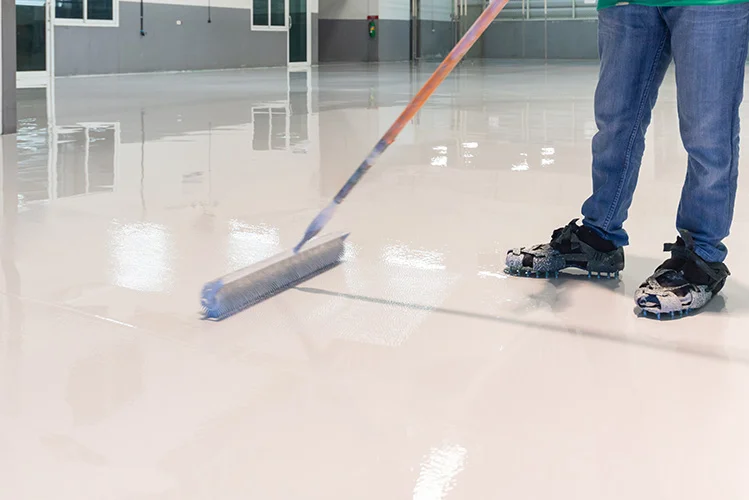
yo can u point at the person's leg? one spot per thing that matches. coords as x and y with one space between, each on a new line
635 49
710 51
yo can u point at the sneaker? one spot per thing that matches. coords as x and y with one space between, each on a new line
573 246
683 283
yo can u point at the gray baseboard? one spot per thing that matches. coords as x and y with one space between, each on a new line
226 42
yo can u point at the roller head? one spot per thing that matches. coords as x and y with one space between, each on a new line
243 288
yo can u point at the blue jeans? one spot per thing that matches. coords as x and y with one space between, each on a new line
708 45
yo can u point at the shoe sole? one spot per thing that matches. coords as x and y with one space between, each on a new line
529 273
661 316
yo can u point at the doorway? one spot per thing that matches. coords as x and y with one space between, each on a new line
300 34
34 37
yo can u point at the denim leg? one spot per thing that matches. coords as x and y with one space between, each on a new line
635 51
709 49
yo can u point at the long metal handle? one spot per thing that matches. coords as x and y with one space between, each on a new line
444 69
413 107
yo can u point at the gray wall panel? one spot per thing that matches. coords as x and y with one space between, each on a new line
394 39
504 40
346 40
572 39
225 43
101 46
8 57
436 38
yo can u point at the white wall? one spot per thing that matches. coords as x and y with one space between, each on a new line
436 10
395 9
349 9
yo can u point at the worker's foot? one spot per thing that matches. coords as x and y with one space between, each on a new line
572 246
682 284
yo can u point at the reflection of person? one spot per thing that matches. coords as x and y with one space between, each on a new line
637 41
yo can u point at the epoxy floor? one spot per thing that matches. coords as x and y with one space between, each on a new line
416 369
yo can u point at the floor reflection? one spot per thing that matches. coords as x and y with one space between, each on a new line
60 158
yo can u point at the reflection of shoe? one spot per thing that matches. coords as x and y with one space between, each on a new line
683 283
571 246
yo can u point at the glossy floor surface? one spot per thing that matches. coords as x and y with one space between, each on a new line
416 369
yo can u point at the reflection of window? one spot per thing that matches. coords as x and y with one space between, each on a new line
269 14
86 159
299 111
101 160
92 12
33 163
80 159
270 129
284 125
71 164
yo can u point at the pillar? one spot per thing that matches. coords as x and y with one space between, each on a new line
8 117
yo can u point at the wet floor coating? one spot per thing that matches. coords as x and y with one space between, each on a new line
416 369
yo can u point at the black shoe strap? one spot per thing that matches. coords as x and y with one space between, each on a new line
684 249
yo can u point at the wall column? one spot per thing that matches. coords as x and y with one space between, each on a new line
8 116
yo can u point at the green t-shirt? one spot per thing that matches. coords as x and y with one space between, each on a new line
602 4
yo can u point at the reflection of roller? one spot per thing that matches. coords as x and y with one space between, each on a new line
234 292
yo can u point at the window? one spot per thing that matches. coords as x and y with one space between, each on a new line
270 130
548 9
91 12
268 14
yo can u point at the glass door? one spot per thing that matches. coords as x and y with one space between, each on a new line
33 42
300 46
433 29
